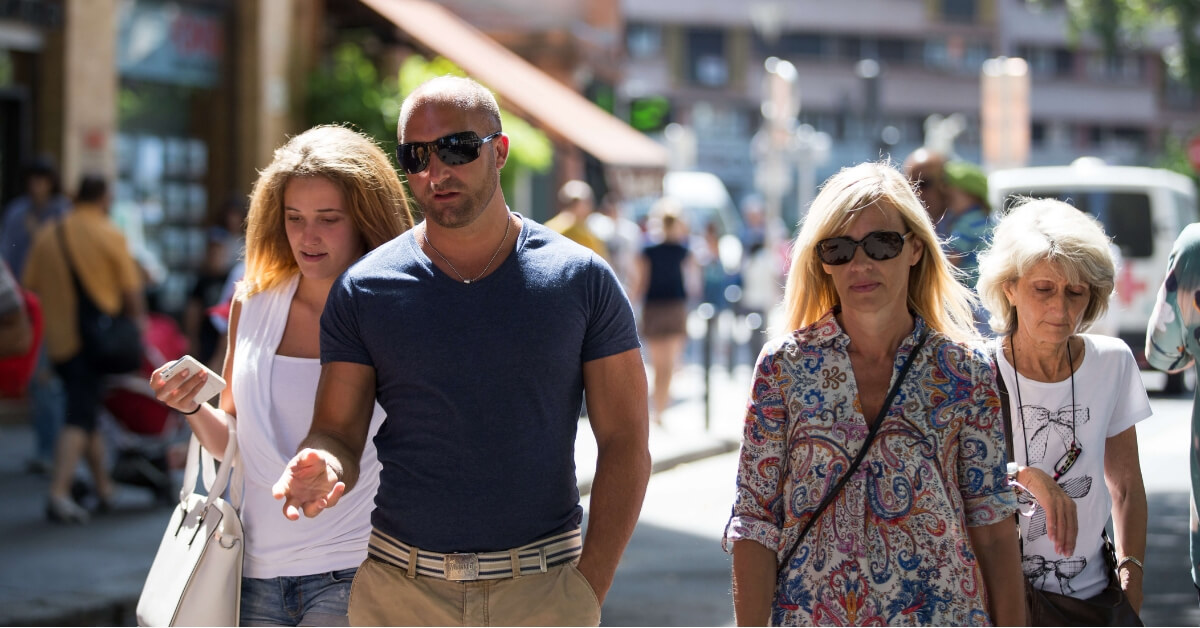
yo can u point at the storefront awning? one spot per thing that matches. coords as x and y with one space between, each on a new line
522 86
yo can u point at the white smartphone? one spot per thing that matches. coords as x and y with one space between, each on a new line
212 387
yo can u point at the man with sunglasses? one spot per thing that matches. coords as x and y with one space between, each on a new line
479 332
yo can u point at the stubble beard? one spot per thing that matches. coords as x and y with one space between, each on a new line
469 207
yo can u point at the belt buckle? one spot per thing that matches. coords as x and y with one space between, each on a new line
461 567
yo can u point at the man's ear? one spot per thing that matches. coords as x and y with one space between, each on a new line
501 148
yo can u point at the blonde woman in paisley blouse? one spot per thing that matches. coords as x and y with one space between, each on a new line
921 531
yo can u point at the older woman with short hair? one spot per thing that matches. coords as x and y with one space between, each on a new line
1074 400
871 485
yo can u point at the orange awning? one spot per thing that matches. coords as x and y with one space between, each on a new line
520 85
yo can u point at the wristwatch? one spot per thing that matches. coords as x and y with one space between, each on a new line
1013 468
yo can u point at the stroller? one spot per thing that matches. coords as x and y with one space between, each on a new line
149 439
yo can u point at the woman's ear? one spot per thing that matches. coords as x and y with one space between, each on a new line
1010 290
918 249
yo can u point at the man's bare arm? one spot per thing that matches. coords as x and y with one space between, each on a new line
619 416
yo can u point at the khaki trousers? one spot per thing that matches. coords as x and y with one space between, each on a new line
384 595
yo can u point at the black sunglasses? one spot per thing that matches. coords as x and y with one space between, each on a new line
878 245
455 149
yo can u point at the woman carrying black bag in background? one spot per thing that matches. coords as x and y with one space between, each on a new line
1073 401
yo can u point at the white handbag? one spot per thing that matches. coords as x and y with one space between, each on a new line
196 577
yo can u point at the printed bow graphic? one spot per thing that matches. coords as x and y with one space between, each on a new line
1039 422
1036 568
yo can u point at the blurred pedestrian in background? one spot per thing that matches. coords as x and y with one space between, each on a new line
16 330
762 270
621 237
575 200
921 532
330 196
203 336
1047 276
1172 344
42 202
926 170
667 272
84 246
965 228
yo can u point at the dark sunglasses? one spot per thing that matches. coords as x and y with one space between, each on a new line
878 245
455 149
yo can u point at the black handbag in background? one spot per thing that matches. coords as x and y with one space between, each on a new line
111 344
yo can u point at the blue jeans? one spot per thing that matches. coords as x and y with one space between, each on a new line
47 407
316 600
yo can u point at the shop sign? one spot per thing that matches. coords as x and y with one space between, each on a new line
170 43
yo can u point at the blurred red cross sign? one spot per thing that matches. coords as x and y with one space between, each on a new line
1194 152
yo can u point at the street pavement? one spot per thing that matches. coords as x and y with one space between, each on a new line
673 573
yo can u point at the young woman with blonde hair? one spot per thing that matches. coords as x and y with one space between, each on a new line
329 197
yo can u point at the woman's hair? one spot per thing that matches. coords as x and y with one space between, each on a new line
1050 230
666 218
375 200
934 292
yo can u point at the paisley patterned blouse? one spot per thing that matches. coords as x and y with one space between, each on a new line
892 548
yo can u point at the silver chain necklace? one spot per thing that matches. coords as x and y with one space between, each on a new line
507 226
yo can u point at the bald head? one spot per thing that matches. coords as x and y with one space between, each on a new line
456 92
927 171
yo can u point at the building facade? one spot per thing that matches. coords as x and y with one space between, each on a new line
706 58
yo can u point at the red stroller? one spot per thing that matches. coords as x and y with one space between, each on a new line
142 431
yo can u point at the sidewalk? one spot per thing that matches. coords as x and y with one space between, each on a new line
54 575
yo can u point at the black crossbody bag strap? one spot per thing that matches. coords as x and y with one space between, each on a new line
862 453
1002 388
62 239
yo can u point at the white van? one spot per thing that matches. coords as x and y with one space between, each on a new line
1142 209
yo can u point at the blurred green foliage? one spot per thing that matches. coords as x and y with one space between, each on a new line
1122 23
345 88
1175 157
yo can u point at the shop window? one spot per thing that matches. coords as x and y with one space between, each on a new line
961 11
811 45
706 57
643 41
1178 96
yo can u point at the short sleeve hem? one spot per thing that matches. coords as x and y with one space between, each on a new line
745 528
989 509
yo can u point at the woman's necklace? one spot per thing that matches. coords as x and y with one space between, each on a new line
507 226
1068 459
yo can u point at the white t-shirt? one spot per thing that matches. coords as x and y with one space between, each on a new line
1109 399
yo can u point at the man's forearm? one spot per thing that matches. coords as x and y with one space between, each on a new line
619 486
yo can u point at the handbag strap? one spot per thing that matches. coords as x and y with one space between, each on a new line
229 474
1002 388
62 238
862 452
